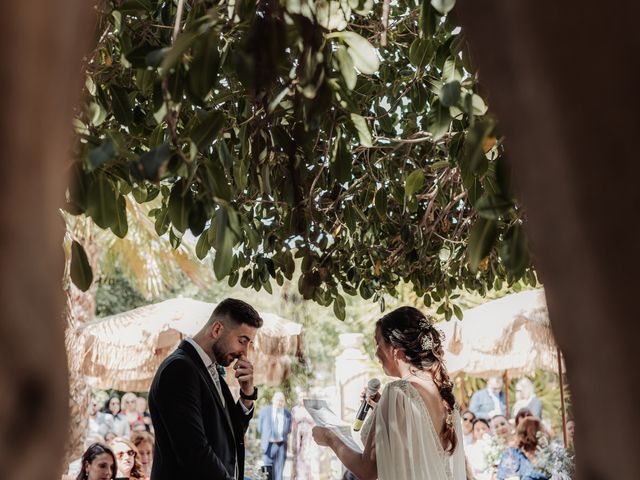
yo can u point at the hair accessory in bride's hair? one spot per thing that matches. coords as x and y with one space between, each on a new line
449 420
426 342
426 323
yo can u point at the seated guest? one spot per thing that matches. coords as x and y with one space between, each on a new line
526 398
128 460
571 428
129 408
98 463
518 461
141 408
502 430
477 450
489 401
76 465
114 419
96 423
523 413
467 426
144 442
138 427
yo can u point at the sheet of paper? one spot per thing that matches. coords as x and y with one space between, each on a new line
324 417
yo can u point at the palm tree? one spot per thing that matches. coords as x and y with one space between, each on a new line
149 263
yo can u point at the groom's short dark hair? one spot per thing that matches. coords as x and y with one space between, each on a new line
237 312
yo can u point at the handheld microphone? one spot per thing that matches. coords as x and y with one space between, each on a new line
372 388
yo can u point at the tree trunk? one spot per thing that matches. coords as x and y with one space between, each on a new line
43 43
562 78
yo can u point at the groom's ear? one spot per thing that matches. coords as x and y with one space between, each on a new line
216 329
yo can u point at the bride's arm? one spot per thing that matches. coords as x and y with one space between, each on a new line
362 465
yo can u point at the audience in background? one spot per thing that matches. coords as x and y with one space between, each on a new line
502 430
571 427
144 442
127 459
489 401
467 426
519 461
141 408
477 450
274 426
96 424
526 398
98 463
129 408
522 413
114 419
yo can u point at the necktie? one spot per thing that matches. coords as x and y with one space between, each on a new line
216 380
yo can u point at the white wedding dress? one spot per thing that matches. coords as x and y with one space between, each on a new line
407 444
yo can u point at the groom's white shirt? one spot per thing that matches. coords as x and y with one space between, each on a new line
206 359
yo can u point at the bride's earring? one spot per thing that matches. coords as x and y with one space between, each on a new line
395 355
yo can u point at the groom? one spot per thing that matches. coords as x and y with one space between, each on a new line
199 428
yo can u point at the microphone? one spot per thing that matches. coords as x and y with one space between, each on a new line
372 388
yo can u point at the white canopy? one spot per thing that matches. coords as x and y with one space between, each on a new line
511 334
123 351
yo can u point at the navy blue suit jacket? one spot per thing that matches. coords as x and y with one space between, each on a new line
195 437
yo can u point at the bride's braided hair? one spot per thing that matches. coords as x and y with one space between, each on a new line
407 329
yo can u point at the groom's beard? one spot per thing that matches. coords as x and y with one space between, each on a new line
222 355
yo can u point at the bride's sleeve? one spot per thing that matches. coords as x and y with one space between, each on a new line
405 442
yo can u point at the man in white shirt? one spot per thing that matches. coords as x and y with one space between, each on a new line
199 427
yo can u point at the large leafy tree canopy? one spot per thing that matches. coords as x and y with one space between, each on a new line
350 134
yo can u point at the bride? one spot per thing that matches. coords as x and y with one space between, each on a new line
415 431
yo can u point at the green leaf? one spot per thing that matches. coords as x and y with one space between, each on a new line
162 222
137 56
101 202
121 106
414 182
380 202
362 127
180 204
341 162
134 6
80 270
181 45
438 120
450 94
473 157
492 206
225 155
197 218
481 239
420 52
339 307
120 225
443 6
153 161
102 154
428 18
364 56
347 69
206 131
205 64
223 260
514 250
202 246
157 136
